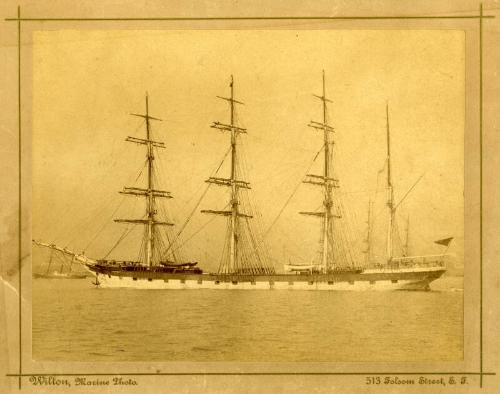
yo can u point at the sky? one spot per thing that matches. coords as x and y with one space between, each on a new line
86 83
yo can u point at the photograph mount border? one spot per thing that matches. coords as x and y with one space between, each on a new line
481 372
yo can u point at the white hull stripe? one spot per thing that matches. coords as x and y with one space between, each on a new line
175 284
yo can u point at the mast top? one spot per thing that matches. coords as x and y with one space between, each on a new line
324 126
146 115
231 99
323 97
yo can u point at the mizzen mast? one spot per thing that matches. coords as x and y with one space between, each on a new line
327 182
150 193
390 192
235 184
368 239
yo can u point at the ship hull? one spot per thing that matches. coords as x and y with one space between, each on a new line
370 280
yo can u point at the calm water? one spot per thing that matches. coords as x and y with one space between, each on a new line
74 321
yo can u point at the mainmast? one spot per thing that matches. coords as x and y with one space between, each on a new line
150 193
390 191
327 182
235 184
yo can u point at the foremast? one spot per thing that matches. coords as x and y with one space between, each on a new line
150 193
327 182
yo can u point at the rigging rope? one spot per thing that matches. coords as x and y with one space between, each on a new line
124 234
89 217
192 235
408 192
104 225
291 195
183 227
255 250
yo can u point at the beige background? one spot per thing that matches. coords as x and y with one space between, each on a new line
84 86
129 93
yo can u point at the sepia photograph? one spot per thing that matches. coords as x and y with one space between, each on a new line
174 171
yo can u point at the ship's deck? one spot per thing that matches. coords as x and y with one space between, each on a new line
373 275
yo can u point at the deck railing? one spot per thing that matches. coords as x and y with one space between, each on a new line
428 261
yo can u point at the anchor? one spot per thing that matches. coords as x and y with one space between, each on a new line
96 283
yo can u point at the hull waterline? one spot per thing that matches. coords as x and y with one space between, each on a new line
372 280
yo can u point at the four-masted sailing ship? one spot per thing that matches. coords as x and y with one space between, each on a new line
242 267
